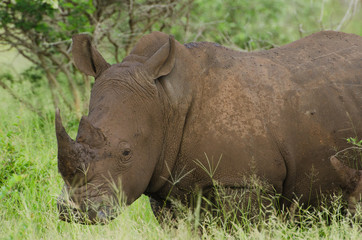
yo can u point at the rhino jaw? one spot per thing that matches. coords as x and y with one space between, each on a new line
68 212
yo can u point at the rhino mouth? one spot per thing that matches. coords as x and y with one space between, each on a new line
70 212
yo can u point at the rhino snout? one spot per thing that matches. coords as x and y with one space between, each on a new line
68 212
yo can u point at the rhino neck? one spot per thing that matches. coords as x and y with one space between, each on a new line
176 93
180 93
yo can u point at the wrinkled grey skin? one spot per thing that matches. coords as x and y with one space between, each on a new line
277 114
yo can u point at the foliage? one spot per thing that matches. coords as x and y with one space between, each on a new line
354 141
264 24
42 34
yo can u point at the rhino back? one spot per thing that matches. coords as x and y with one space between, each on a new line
321 109
279 113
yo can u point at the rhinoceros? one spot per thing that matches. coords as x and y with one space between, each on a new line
173 119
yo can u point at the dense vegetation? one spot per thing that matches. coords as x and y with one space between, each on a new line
43 77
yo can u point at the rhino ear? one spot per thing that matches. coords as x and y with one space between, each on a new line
86 57
162 61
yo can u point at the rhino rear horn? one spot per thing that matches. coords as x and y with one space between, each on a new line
67 150
89 134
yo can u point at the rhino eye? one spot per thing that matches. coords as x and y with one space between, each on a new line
126 152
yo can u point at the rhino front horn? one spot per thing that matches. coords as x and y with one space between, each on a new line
67 150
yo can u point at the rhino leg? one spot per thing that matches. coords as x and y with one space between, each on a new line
253 201
240 203
162 210
352 179
156 207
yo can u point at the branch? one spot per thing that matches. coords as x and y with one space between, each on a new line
346 149
57 43
53 84
352 7
116 47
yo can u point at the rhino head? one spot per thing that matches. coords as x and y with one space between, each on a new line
120 143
